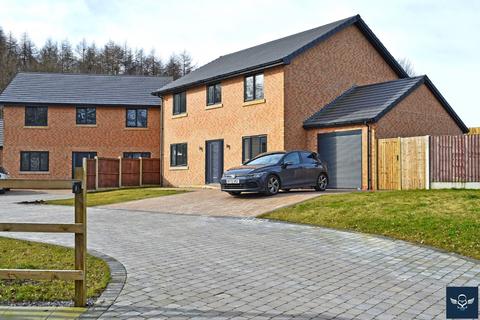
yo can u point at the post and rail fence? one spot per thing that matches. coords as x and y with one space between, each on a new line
79 228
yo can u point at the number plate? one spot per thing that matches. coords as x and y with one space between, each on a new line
233 181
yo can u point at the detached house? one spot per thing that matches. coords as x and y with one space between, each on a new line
52 121
331 89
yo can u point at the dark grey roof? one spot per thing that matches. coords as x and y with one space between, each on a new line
1 133
368 103
273 53
85 89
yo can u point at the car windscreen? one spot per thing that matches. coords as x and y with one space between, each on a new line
266 159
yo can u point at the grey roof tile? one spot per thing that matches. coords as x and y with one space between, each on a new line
78 89
363 103
280 51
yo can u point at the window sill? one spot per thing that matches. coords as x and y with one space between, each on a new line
214 106
34 172
134 128
179 168
253 102
86 125
180 115
35 127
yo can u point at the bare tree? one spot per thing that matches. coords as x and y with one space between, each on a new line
186 62
407 65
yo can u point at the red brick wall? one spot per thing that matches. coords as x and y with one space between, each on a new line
418 114
320 74
1 156
109 138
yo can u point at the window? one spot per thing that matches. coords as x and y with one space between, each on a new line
178 155
34 161
86 115
309 157
292 158
136 155
180 103
36 116
214 94
253 87
253 146
136 118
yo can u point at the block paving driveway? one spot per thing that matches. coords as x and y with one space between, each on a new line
200 267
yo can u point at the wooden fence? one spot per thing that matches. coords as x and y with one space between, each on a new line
79 228
428 162
107 173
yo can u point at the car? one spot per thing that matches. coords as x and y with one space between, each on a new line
271 172
3 175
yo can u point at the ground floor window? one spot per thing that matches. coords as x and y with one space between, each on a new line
253 146
34 161
178 154
136 155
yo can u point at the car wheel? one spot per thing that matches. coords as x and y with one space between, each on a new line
235 193
273 185
322 182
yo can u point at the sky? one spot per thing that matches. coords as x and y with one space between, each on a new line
440 38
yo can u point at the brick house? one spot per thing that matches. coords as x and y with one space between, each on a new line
52 121
331 89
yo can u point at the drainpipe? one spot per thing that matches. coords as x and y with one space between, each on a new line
369 156
162 139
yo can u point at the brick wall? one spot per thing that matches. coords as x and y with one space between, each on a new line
109 138
1 156
320 74
230 122
418 114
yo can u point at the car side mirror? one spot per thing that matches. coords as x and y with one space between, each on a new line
286 164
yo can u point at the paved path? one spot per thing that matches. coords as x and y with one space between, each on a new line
183 267
213 202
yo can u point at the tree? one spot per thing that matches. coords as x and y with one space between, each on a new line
186 63
67 59
112 57
153 66
173 67
48 58
26 54
407 65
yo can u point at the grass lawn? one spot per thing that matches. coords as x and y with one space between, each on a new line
446 219
100 198
20 254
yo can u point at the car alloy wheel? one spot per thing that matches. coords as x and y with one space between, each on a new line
273 185
322 182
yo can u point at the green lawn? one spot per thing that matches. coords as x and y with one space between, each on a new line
20 254
100 198
446 219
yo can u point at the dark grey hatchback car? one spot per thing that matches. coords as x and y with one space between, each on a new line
274 171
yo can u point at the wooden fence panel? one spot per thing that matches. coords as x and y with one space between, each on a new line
151 171
108 172
91 174
455 158
413 162
388 164
130 172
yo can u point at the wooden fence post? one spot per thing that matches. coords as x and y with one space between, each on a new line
400 163
120 171
141 171
81 238
96 173
427 162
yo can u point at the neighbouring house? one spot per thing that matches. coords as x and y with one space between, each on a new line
1 136
52 121
332 89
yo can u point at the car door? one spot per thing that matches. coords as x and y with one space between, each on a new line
291 168
310 168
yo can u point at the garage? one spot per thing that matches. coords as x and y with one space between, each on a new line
342 151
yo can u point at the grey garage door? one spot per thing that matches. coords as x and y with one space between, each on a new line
343 153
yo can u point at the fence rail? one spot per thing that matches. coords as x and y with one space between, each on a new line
109 173
79 229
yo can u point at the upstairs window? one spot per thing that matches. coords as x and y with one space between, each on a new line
136 155
34 161
253 87
180 103
36 116
214 94
253 146
136 118
86 115
178 155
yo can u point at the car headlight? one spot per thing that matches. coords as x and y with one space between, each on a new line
256 175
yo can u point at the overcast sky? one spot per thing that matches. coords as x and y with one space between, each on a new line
440 38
